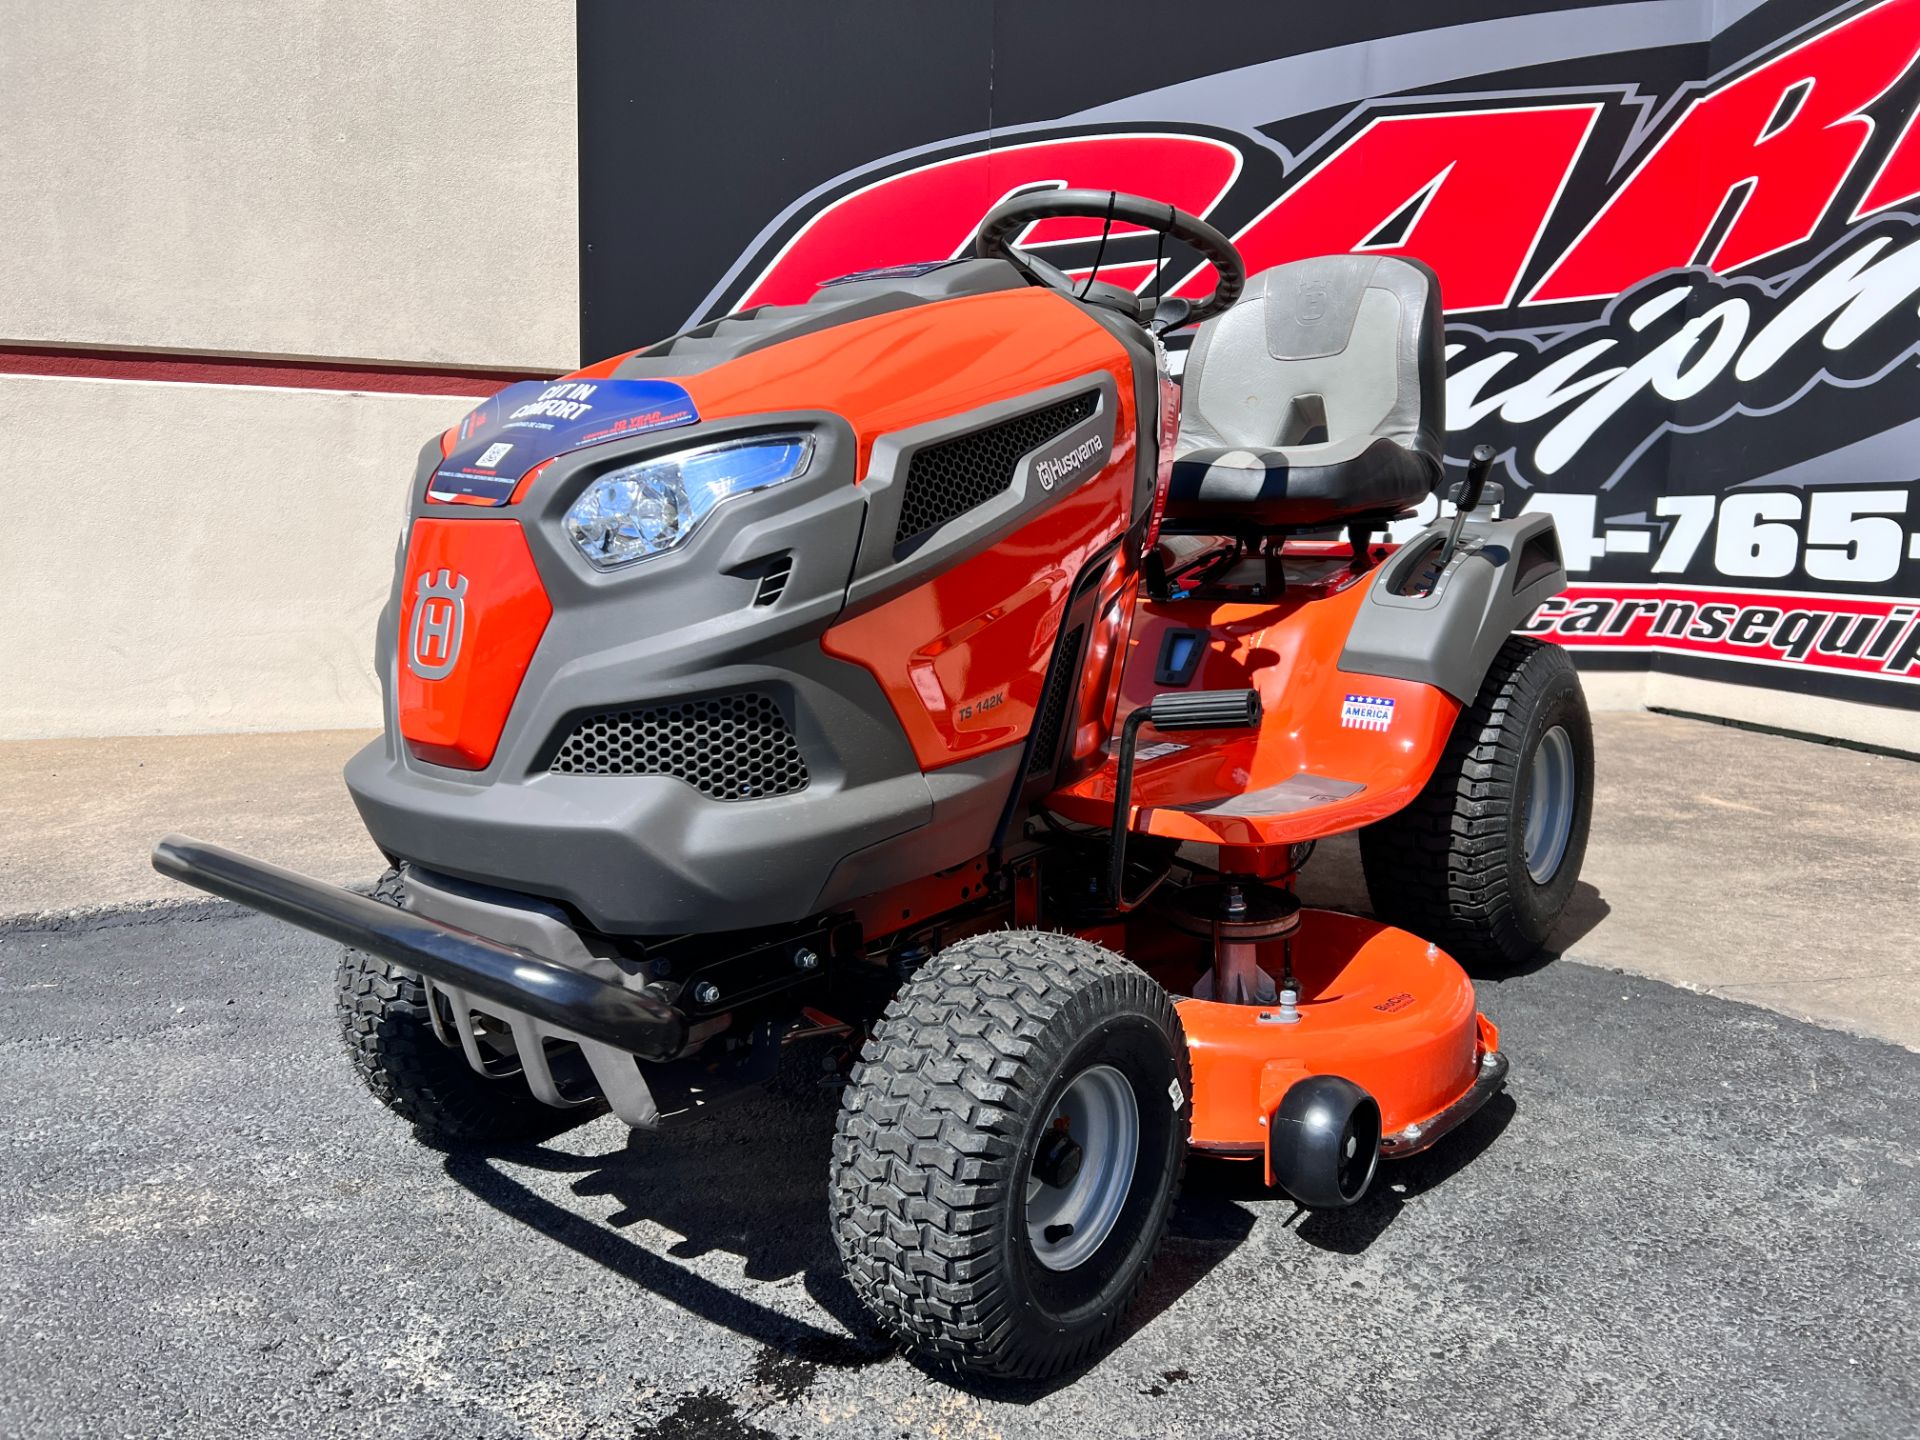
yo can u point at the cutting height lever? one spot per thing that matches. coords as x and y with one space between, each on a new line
1479 467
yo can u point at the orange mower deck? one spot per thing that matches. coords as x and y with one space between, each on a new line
1385 1009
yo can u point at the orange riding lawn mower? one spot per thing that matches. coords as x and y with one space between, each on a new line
917 691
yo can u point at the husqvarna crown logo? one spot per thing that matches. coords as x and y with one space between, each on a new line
439 618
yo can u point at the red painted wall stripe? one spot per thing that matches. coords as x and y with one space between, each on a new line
253 370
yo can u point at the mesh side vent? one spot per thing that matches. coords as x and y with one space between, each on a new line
731 747
1053 707
953 476
773 584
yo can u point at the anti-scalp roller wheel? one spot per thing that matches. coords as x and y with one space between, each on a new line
1323 1141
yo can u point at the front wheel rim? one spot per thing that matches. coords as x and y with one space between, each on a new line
1547 817
1067 1223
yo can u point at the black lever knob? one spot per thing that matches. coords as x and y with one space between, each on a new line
1206 710
1479 467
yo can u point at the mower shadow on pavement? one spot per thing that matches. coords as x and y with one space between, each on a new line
1220 1188
747 1181
1585 910
1353 1230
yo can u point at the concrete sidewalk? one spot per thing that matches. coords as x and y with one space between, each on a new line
82 815
1765 869
1781 872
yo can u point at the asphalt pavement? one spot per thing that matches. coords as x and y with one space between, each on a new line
1687 1217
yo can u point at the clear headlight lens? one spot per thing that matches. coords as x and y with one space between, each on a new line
649 508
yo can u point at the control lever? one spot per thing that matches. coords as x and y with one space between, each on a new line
1190 710
1479 467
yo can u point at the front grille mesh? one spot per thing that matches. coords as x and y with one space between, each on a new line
950 477
731 747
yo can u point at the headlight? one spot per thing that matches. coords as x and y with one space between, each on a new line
646 509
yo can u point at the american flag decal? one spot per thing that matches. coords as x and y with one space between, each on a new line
1366 712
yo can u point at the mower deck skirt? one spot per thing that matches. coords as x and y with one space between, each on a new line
1378 1006
510 977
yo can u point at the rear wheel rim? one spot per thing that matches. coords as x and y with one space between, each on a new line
1547 817
1067 1223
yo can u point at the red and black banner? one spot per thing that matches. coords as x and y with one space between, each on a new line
1678 240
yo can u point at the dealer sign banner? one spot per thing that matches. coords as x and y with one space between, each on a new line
1678 241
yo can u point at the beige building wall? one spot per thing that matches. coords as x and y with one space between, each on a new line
215 563
375 179
387 181
1879 725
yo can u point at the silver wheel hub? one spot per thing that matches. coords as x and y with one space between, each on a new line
1547 812
1069 1221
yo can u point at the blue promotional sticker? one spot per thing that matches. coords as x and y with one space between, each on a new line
526 424
1366 712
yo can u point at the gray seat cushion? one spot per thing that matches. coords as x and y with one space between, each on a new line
1319 397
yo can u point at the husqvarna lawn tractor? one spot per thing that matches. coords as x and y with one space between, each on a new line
920 669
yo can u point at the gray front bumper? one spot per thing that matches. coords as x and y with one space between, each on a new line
634 854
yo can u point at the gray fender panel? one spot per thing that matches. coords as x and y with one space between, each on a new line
968 798
1448 637
636 854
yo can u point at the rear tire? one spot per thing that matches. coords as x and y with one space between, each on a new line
384 1022
1461 865
977 1235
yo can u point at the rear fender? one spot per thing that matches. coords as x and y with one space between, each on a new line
1444 629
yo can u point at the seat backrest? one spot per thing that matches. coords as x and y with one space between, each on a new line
1324 349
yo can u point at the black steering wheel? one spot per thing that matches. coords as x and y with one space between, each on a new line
1011 216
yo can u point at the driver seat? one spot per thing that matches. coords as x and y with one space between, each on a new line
1318 399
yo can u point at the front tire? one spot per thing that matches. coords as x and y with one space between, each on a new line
1009 1151
1486 857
